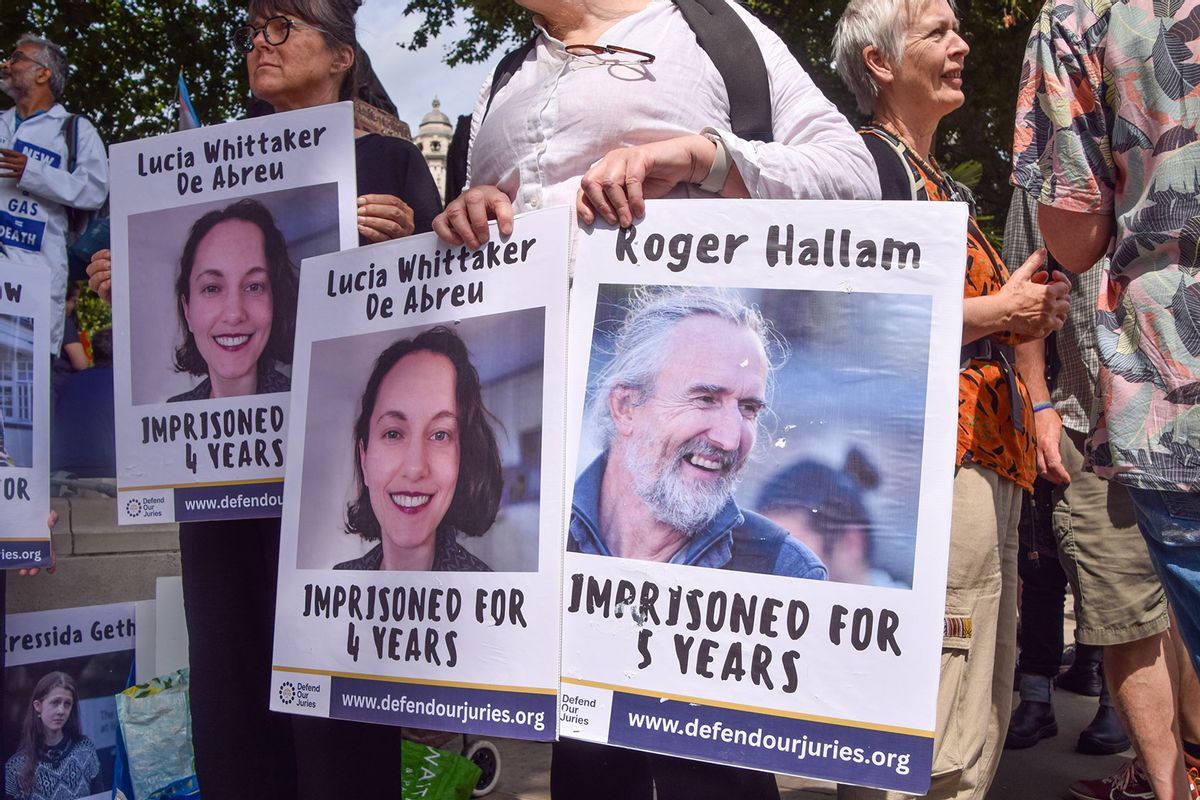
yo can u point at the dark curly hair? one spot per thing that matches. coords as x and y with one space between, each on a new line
477 497
280 272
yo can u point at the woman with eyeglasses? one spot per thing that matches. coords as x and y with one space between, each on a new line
299 54
616 102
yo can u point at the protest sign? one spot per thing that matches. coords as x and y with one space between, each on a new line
208 228
739 370
419 561
84 654
25 321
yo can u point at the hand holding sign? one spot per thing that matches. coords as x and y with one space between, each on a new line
12 164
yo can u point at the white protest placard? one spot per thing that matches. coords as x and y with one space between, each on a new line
761 428
83 652
419 562
208 229
25 321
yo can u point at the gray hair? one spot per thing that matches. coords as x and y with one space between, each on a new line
882 23
640 343
53 57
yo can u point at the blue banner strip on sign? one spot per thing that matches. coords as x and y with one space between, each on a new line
234 501
21 554
482 712
21 232
883 759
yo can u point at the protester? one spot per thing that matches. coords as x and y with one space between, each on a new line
54 760
302 56
426 463
665 131
41 179
1097 144
904 64
71 357
1081 530
667 134
1119 599
236 298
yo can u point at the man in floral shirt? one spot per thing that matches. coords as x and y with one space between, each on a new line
1106 141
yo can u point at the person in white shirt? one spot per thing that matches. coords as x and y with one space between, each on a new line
650 118
37 185
617 103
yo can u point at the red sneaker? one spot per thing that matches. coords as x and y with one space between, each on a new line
1127 783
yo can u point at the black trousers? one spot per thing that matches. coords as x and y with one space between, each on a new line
242 749
586 771
1043 586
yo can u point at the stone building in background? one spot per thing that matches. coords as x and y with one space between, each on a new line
433 140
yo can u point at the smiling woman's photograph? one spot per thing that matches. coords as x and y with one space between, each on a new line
215 288
423 448
233 272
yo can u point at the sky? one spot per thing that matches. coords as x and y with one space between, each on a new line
413 78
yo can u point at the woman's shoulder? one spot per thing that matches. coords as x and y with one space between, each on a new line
371 560
451 556
376 145
202 391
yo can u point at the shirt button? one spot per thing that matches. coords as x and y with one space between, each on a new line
534 202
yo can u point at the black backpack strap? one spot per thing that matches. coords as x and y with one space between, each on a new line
70 132
508 67
727 40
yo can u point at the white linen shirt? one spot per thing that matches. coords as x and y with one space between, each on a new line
33 210
559 114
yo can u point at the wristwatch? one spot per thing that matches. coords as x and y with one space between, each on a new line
715 180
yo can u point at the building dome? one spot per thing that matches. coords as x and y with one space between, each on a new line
436 123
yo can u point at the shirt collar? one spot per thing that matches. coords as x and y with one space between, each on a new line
711 547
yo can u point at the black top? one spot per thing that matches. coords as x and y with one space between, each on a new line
61 363
388 165
448 556
270 380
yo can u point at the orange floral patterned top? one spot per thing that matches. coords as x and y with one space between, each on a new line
987 434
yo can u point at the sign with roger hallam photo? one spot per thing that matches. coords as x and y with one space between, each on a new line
759 397
209 227
25 321
419 565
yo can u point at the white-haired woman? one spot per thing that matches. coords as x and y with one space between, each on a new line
903 59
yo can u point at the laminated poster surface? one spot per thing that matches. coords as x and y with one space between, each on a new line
209 227
25 321
759 430
82 652
419 577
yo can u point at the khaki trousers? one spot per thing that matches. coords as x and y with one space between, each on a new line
976 686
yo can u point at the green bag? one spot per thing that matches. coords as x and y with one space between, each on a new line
433 774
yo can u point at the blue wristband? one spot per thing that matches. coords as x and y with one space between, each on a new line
1042 407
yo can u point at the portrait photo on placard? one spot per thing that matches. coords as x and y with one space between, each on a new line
422 448
60 725
712 410
16 391
212 290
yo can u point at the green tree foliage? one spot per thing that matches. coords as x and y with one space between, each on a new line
126 55
980 131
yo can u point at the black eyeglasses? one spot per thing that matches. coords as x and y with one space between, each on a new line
275 31
17 56
609 54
